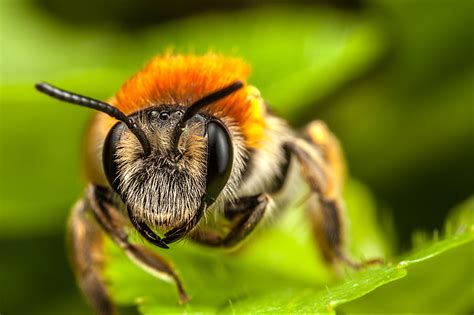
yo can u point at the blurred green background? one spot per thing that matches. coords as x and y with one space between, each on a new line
393 79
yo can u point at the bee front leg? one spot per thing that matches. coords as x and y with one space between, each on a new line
112 222
85 241
245 214
322 166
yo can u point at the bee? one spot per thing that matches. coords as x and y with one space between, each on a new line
184 138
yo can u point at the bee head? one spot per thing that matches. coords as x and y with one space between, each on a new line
167 186
165 162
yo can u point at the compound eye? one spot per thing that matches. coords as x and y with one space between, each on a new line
109 155
220 155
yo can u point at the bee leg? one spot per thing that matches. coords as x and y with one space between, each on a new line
85 240
111 221
245 214
241 206
322 166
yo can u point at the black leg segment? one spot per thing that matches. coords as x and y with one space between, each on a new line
111 221
245 215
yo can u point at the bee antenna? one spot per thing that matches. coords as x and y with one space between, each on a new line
199 104
108 109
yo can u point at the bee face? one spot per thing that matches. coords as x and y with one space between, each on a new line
166 187
168 163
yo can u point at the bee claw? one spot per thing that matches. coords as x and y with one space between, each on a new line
183 299
359 265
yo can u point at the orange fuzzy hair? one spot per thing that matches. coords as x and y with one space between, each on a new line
182 80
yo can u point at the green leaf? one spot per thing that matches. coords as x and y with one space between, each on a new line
437 273
277 272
